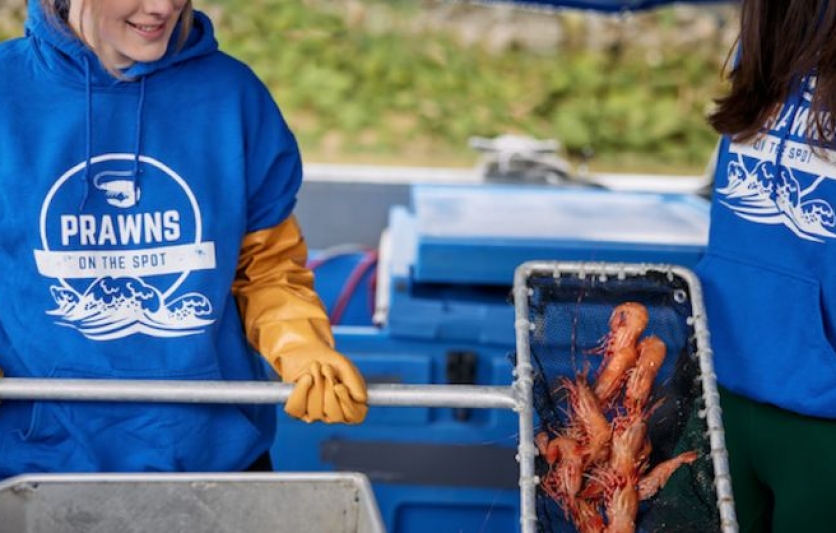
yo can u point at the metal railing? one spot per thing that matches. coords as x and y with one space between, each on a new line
249 392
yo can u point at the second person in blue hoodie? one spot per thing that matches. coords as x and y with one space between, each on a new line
768 276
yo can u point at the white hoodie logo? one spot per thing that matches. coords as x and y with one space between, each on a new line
118 263
760 192
766 196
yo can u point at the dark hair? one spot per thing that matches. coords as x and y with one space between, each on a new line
780 42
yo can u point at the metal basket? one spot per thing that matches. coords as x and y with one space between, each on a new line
562 310
205 503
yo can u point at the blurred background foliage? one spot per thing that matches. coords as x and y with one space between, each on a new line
407 82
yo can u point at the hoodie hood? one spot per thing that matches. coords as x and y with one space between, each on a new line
71 60
68 57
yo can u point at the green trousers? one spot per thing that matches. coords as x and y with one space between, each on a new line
783 467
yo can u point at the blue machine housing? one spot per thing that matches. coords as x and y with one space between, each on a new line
444 279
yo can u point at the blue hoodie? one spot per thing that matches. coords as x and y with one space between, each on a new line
768 276
123 204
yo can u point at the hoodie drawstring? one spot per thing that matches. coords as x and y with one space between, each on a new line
89 149
138 143
88 157
796 105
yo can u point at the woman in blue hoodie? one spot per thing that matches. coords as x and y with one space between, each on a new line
768 276
147 187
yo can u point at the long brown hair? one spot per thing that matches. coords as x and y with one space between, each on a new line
780 42
56 11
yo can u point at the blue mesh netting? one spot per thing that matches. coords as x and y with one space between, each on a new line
571 317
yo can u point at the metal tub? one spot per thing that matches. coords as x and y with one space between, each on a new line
199 503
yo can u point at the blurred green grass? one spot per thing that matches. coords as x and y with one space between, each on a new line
397 95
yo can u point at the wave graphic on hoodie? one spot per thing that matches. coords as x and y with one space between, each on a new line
769 197
113 308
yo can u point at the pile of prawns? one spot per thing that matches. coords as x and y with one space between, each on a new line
599 467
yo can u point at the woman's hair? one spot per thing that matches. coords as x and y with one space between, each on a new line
780 42
58 10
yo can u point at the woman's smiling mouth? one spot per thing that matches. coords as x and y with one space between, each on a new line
148 30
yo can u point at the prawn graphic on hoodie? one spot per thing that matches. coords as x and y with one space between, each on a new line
123 205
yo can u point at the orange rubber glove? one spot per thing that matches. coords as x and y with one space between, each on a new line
286 322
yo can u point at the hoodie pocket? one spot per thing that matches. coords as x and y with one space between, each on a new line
131 436
767 332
